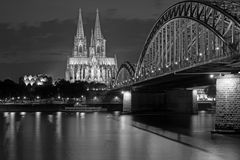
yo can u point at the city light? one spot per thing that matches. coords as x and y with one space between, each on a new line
211 76
116 113
127 94
5 114
116 98
23 113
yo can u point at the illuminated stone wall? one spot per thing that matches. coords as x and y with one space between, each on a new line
228 103
127 101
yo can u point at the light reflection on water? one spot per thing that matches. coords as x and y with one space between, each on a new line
38 148
59 126
70 136
11 136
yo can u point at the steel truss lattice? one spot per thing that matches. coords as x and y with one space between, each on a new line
188 34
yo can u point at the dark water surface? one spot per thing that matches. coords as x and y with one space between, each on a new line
90 136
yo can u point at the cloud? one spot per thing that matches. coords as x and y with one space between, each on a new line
51 42
126 37
26 41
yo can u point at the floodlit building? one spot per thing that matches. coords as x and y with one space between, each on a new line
90 63
39 80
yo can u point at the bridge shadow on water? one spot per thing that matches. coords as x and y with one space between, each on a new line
190 130
183 124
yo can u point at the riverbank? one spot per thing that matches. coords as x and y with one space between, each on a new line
51 107
31 107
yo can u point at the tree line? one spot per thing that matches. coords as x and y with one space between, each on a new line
62 88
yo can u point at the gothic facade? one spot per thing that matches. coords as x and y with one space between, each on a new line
90 63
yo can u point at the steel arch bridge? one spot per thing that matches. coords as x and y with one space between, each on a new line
125 73
189 34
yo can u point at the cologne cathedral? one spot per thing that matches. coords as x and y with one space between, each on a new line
90 63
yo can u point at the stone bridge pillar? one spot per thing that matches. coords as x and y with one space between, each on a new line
228 103
127 101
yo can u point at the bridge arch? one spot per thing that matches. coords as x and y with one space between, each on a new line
125 73
190 33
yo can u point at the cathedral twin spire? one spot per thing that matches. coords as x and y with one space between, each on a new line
97 42
80 32
97 30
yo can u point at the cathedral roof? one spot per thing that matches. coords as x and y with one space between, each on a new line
86 61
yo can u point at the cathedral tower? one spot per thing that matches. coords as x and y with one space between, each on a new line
92 67
80 42
99 41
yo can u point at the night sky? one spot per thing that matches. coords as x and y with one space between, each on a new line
36 36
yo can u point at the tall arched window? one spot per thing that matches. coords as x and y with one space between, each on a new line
80 49
98 49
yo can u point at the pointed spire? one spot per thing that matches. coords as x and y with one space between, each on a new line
97 30
92 39
80 32
115 57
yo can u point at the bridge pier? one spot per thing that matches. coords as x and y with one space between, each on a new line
228 103
182 100
148 101
127 101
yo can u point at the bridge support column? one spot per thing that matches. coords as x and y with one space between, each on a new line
127 101
148 101
228 103
182 100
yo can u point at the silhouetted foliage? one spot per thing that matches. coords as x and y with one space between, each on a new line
62 88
